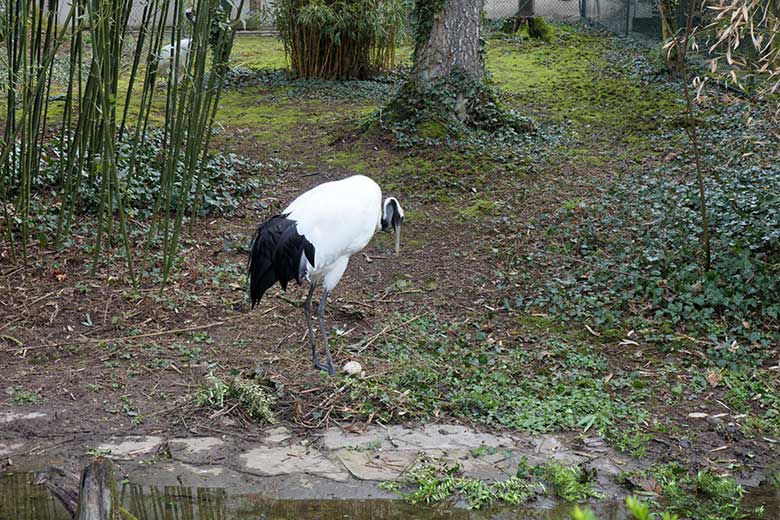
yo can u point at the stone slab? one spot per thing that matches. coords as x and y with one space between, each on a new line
197 450
277 435
287 460
7 448
375 464
372 438
445 437
9 417
131 447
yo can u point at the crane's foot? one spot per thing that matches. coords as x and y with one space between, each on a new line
325 368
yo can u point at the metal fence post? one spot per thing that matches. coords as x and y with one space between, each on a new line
628 17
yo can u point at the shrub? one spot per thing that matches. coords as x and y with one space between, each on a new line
351 39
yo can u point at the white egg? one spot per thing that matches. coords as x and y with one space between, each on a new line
353 368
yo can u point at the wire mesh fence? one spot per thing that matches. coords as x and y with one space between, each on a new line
555 10
628 17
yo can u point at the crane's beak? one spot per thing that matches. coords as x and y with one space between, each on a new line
397 238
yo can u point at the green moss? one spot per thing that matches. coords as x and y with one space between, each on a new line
431 130
570 80
480 208
258 52
539 29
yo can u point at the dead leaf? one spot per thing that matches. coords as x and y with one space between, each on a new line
714 377
698 415
59 275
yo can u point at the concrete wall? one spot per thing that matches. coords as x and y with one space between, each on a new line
137 10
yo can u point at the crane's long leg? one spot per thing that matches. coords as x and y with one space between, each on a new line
321 316
307 312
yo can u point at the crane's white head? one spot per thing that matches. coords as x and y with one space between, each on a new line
393 217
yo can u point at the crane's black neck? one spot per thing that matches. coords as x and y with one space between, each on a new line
392 216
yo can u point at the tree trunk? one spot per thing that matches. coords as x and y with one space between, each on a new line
98 492
453 42
447 91
451 48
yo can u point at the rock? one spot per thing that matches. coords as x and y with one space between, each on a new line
547 445
9 417
568 458
373 438
131 447
445 437
7 448
286 460
277 435
496 466
376 465
197 450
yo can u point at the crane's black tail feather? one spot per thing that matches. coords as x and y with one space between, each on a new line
277 253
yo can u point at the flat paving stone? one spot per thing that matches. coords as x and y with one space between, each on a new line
131 447
277 435
7 448
286 460
197 450
9 417
373 438
445 437
547 444
375 464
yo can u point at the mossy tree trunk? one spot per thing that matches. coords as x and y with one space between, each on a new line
447 91
450 56
448 75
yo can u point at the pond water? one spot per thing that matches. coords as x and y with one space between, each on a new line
22 499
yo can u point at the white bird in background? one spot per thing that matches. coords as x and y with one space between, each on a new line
313 239
167 61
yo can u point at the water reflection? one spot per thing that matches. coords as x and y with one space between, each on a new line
22 499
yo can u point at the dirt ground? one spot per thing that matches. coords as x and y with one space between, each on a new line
101 359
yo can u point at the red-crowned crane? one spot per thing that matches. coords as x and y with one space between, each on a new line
314 237
168 61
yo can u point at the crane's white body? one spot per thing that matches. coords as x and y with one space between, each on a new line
338 218
168 59
314 238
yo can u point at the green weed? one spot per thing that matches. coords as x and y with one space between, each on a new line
703 495
434 483
21 395
638 509
571 483
253 399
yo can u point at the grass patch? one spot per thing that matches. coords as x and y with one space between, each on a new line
458 371
648 276
480 208
431 482
257 52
